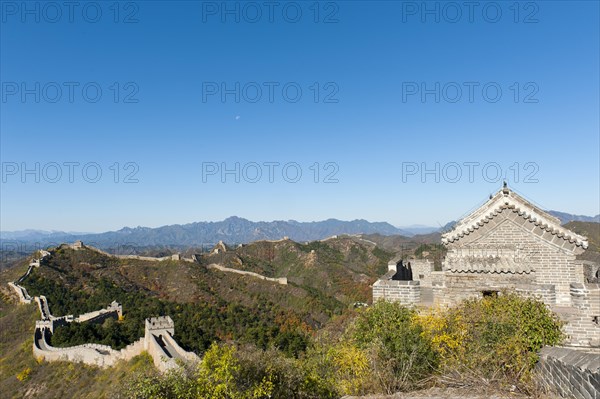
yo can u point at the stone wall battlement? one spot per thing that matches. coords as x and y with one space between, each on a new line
159 323
113 308
403 291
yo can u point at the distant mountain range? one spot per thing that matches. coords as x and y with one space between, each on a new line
567 217
232 230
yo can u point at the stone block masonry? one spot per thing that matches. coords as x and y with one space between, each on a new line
570 373
407 292
583 325
21 291
91 354
422 270
78 245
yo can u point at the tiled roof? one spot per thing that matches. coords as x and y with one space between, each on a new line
507 200
488 264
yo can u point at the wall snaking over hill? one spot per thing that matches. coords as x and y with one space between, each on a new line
280 280
158 339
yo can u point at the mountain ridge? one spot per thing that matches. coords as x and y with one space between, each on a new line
568 217
233 230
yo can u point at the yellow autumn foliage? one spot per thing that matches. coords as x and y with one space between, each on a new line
446 332
352 368
23 375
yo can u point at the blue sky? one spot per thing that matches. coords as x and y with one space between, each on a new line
369 94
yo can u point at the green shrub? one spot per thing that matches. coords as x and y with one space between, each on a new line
228 372
495 339
218 377
152 385
400 355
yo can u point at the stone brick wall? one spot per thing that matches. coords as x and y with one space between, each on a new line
437 278
544 292
154 349
92 354
158 337
149 258
583 325
113 310
460 286
405 292
158 341
445 296
439 293
421 271
570 373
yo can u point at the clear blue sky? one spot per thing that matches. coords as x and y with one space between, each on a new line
378 68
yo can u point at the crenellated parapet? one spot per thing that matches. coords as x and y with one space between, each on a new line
160 325
161 345
113 310
391 287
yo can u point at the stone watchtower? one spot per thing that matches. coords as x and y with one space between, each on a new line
509 243
160 325
156 327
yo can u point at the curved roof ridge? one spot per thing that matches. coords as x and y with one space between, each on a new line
508 199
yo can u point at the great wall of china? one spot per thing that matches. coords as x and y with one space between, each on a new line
220 247
569 370
158 339
279 280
